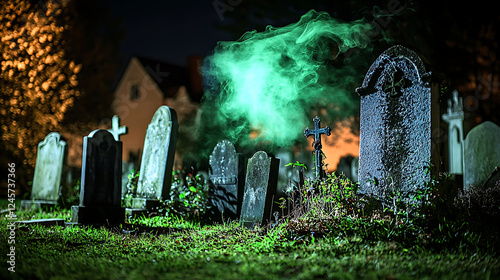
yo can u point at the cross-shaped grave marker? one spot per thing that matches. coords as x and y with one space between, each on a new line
116 129
317 131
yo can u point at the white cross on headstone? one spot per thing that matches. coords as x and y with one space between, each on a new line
116 129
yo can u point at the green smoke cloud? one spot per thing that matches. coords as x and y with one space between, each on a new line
271 81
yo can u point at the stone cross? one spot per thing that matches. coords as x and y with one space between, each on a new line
317 131
116 129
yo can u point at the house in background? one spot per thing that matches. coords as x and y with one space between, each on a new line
147 84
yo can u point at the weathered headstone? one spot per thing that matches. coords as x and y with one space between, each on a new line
48 172
398 114
100 190
155 173
116 129
224 177
260 189
455 118
481 154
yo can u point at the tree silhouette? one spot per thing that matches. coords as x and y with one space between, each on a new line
58 65
39 83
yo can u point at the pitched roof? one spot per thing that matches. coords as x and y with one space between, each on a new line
168 77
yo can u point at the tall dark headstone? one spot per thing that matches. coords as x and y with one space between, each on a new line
399 111
224 178
260 189
100 190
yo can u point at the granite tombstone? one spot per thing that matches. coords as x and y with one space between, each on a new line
100 189
399 111
224 171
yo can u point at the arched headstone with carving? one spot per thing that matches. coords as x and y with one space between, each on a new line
398 114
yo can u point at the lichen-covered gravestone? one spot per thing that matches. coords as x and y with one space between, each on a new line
155 173
398 114
48 171
260 189
100 190
224 177
481 154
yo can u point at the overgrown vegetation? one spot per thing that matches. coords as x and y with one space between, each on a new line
439 215
327 229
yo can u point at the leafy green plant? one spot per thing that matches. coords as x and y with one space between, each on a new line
70 195
322 199
132 178
297 164
188 195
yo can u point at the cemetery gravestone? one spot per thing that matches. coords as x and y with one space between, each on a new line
260 189
348 165
100 191
344 166
224 177
48 172
455 117
398 114
155 173
481 154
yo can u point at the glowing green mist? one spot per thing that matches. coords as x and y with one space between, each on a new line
270 81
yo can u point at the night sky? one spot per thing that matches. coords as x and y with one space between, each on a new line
168 30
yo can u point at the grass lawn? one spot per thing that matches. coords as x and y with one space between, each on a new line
171 248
